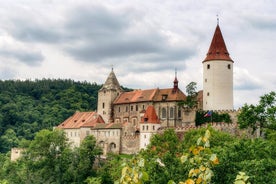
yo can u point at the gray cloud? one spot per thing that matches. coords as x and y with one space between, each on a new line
96 33
106 35
28 29
28 57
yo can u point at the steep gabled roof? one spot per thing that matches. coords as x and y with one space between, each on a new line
150 116
112 82
218 50
81 119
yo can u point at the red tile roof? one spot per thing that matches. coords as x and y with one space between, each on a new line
150 116
153 95
135 96
218 50
169 95
82 119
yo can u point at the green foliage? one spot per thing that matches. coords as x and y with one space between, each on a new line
8 140
29 106
134 172
261 115
201 160
110 168
93 180
242 178
163 158
256 157
88 153
190 102
216 117
49 158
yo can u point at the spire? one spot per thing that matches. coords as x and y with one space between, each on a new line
217 49
175 82
111 82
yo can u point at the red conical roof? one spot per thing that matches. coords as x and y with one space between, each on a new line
218 50
150 116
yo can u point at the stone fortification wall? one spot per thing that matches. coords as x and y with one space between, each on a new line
130 144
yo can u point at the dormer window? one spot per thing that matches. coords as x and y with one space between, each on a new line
164 97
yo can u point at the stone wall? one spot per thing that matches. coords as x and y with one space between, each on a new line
130 144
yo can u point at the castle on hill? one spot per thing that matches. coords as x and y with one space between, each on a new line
125 121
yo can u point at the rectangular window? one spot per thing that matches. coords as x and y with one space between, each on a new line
126 108
136 107
131 108
119 109
208 66
103 105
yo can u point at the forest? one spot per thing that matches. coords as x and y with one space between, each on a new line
29 106
29 110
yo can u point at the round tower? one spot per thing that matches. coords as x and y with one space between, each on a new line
106 96
218 75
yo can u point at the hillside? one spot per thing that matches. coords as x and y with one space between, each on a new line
29 106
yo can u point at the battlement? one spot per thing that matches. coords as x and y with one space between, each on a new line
130 137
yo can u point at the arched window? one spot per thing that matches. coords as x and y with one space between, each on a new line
179 113
171 112
101 144
112 147
164 113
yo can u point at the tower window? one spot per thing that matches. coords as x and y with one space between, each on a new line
136 107
205 80
131 108
126 108
171 112
208 66
103 105
164 113
229 66
208 94
119 109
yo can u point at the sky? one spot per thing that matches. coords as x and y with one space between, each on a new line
144 41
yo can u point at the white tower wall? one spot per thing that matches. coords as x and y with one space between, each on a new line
218 85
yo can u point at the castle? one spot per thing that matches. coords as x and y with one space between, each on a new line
125 121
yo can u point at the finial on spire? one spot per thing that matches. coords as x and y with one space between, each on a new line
175 72
217 19
112 67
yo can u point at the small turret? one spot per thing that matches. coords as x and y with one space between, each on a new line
107 94
175 83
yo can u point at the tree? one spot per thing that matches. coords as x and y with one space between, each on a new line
262 115
163 158
88 153
8 140
190 102
46 158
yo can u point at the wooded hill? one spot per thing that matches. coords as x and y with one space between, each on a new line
29 106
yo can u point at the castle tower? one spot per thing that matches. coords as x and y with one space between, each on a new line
106 95
217 76
148 126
